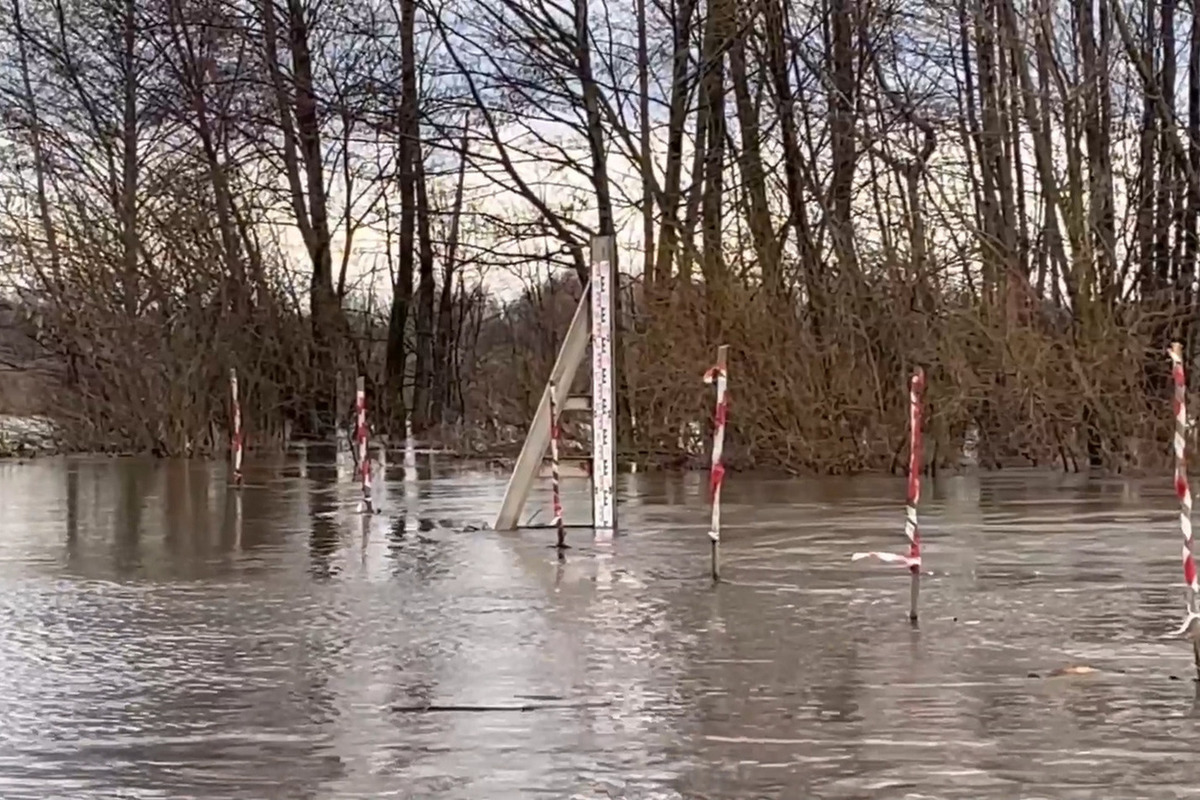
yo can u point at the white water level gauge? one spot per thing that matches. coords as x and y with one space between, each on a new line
604 429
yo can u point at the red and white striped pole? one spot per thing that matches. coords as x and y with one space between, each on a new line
360 438
1191 623
235 439
555 492
916 391
719 375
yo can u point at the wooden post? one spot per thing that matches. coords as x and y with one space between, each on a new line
719 375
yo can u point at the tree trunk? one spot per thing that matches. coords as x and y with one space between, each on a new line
299 124
402 281
762 230
643 72
1191 246
712 86
423 383
843 144
1146 161
777 63
443 352
53 281
1098 130
681 92
1166 166
128 203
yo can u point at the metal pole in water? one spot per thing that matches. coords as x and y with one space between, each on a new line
916 388
554 487
720 376
1191 624
235 439
360 438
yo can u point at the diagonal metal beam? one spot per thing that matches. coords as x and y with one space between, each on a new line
525 472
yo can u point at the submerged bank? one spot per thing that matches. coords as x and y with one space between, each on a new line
28 436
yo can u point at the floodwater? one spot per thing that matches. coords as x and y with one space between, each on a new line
161 639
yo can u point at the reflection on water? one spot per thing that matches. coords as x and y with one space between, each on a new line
163 636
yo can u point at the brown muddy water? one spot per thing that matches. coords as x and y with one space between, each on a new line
156 641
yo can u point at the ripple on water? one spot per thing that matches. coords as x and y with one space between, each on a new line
160 637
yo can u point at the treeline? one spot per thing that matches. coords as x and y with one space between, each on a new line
1005 191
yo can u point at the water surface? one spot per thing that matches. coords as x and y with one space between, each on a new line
162 638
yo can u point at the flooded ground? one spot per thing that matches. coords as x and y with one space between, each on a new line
157 640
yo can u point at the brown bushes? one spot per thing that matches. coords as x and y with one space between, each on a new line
837 402
1033 390
804 399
